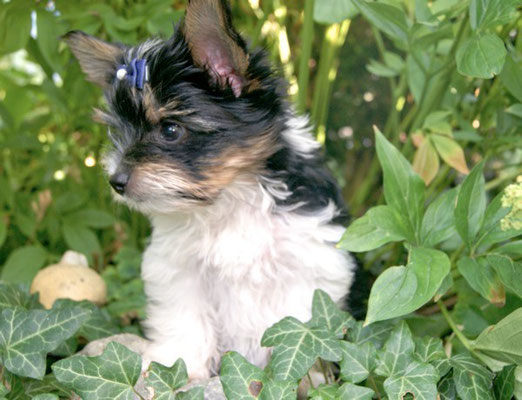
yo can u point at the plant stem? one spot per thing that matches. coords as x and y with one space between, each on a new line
307 38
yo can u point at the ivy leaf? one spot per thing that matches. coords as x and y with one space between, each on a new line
429 349
109 376
438 223
244 381
166 381
325 313
297 346
471 203
502 341
481 56
483 279
419 380
45 396
324 392
357 361
504 384
401 290
397 353
379 226
473 380
354 392
13 296
27 336
446 388
403 188
375 333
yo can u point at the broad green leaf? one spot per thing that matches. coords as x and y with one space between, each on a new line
379 69
511 249
514 109
471 203
389 19
401 290
49 27
419 380
244 381
451 152
429 349
357 362
375 333
504 384
333 11
12 296
397 353
15 26
80 238
509 272
45 396
511 77
197 393
380 225
49 384
484 14
325 313
518 382
438 223
296 347
93 218
164 381
446 388
472 379
426 161
324 392
437 122
481 56
403 188
3 230
418 63
354 392
27 336
23 264
502 340
422 11
483 279
109 376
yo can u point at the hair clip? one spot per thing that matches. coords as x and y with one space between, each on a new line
136 73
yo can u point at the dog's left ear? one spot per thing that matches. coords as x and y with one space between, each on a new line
215 45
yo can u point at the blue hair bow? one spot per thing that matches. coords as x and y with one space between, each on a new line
136 73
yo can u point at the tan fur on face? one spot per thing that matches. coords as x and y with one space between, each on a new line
98 59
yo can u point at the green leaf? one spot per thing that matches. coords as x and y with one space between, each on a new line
446 388
49 29
380 225
419 380
514 109
23 264
473 380
80 238
12 296
429 349
324 392
483 279
357 362
325 313
504 384
403 188
354 392
333 11
401 290
509 272
471 203
484 14
243 381
109 376
296 347
511 77
438 223
397 353
27 336
45 396
375 333
481 56
389 19
3 230
502 340
15 26
197 393
165 381
93 218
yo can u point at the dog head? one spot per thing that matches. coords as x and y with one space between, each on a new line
187 116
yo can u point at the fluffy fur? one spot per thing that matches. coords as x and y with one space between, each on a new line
245 217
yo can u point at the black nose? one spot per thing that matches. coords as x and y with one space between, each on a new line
118 181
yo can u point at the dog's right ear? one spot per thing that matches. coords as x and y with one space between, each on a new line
98 59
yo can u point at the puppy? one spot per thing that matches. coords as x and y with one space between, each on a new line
245 216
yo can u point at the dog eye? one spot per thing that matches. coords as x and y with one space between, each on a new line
171 132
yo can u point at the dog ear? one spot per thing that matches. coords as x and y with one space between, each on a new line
215 45
98 59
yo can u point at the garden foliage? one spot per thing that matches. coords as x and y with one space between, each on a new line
439 235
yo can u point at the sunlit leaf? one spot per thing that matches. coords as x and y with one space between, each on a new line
426 162
451 152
